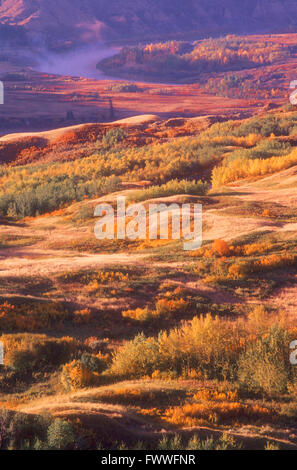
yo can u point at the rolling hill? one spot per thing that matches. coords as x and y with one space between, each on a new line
101 335
130 341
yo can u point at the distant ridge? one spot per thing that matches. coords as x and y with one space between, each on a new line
62 23
56 133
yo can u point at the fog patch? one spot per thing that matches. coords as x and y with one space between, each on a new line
76 63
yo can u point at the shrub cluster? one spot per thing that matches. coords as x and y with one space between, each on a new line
27 353
84 372
31 316
171 188
216 349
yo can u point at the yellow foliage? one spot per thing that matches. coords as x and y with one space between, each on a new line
252 249
75 376
207 347
139 314
165 308
244 168
250 141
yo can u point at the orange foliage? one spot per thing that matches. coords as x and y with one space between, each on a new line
269 263
221 248
165 308
75 375
215 412
31 317
82 317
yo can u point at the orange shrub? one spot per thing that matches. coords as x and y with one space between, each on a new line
269 263
194 414
82 317
31 317
165 308
253 248
168 307
273 262
237 271
207 394
75 375
221 248
139 314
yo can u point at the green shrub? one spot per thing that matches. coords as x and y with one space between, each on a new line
262 126
114 137
5 418
264 366
60 435
93 363
175 443
169 189
161 91
224 442
20 431
84 213
25 430
265 149
125 88
205 345
137 357
45 197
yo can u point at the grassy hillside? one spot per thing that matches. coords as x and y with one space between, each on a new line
140 344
